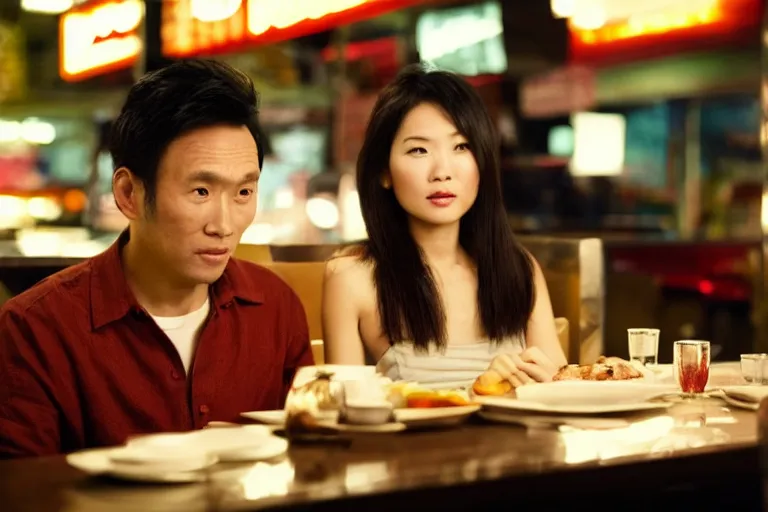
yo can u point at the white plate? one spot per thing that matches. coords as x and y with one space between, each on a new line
386 428
277 417
98 462
543 421
435 416
161 460
273 417
249 442
511 404
570 393
272 447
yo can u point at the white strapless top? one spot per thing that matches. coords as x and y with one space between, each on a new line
456 367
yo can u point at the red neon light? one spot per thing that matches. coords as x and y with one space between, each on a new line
384 48
99 37
724 23
261 22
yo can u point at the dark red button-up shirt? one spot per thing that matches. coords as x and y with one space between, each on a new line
83 365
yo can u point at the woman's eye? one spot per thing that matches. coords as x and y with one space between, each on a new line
417 151
464 146
202 192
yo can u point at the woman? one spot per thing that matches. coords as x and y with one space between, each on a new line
441 291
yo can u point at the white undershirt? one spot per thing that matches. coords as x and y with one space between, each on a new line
183 331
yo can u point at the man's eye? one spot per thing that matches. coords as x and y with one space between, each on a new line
202 192
246 192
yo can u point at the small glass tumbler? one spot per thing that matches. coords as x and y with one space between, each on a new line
643 346
754 368
691 362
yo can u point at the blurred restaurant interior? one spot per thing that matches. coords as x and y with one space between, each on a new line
632 138
638 126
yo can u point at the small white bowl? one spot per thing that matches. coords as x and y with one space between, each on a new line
368 413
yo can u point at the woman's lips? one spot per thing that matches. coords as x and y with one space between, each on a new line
441 199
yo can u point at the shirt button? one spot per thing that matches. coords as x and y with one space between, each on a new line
175 375
204 409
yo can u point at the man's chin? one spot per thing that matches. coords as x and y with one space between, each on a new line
207 276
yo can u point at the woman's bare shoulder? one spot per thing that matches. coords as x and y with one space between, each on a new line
349 266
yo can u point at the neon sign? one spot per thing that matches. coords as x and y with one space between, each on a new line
99 38
188 30
205 10
680 28
654 23
280 15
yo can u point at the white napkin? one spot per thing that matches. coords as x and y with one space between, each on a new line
752 394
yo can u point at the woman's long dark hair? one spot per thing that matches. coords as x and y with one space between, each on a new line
409 304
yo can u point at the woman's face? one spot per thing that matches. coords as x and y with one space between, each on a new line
432 170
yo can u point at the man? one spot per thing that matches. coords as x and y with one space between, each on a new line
164 331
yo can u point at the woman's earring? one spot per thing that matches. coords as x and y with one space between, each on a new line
385 183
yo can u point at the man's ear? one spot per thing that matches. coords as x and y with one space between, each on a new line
129 193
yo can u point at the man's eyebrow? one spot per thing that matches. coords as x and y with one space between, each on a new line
212 177
206 176
251 176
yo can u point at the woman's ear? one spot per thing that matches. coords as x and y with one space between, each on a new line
386 180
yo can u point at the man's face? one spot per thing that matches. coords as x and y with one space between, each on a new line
205 199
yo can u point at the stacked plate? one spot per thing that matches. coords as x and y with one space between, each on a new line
180 457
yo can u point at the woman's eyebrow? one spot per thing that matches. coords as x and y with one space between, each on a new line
422 138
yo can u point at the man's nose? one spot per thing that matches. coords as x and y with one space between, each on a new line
221 223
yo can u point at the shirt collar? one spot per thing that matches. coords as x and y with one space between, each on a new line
112 298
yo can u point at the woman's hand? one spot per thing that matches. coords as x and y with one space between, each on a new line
529 366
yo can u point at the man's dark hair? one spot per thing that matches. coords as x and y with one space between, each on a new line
166 104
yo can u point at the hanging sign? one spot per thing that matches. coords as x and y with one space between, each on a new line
99 37
194 27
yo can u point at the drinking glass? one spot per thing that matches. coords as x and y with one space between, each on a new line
643 345
691 362
754 368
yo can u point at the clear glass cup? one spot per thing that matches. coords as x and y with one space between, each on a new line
643 346
754 368
691 363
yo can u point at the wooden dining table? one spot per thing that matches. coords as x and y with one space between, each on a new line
689 455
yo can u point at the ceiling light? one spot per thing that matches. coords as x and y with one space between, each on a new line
563 8
589 18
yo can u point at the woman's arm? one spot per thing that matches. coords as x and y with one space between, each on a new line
541 332
341 309
542 357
